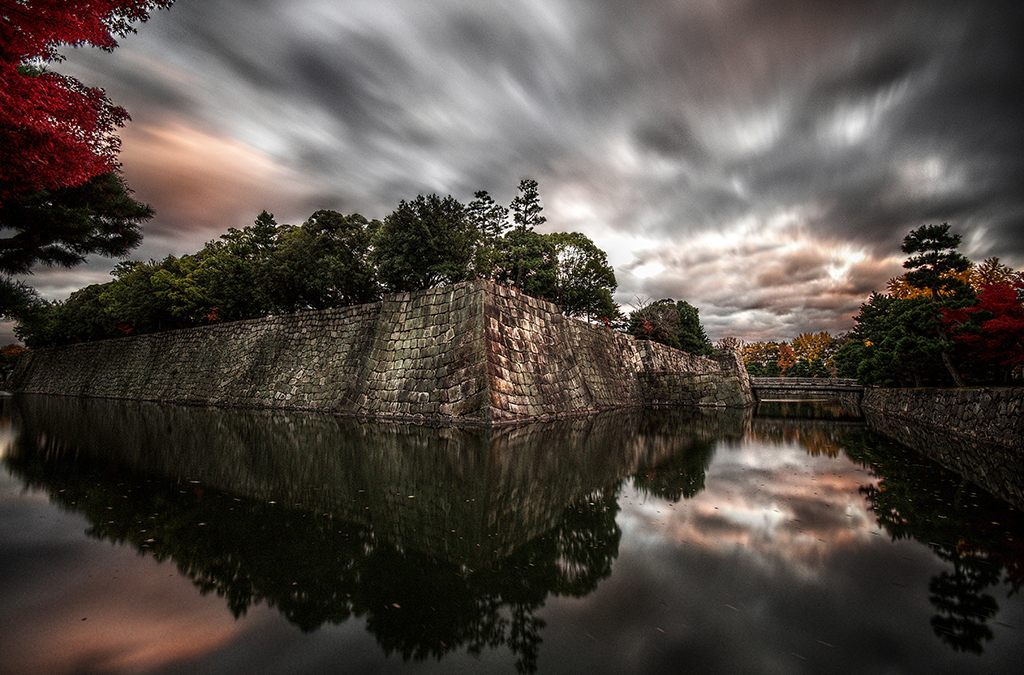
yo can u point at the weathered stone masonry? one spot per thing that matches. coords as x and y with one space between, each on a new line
473 352
976 432
983 414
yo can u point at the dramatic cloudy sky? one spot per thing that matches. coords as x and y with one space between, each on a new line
762 161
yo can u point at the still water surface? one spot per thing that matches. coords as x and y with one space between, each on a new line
139 538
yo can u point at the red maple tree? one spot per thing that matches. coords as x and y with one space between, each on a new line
54 131
993 329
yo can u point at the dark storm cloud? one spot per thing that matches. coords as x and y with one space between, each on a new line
670 138
761 160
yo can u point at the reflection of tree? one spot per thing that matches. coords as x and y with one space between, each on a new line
321 569
679 476
816 438
815 425
917 498
689 442
440 538
962 605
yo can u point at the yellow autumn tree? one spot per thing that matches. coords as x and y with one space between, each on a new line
810 346
991 271
787 358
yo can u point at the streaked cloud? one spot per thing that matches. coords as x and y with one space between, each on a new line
762 162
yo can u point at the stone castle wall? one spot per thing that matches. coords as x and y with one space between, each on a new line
985 414
473 352
404 355
977 432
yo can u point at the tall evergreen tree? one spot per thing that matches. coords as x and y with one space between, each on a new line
934 259
526 208
490 220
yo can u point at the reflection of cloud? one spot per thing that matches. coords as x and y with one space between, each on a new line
84 622
782 507
776 566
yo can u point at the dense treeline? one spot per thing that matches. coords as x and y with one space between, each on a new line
946 321
334 260
808 355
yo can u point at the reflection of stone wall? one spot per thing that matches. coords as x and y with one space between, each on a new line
471 352
457 492
979 433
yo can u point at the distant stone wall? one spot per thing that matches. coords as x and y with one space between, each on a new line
473 352
673 377
978 433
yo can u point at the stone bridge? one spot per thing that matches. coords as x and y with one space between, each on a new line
775 388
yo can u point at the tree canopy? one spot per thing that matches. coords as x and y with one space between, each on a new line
934 260
808 355
898 341
527 260
331 260
585 281
676 324
490 220
989 335
424 243
946 321
526 208
63 226
61 197
56 132
325 263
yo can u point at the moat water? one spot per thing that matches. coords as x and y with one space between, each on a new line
140 538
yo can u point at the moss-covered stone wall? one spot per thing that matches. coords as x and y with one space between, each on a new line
473 352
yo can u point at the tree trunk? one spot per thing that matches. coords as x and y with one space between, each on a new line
948 362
